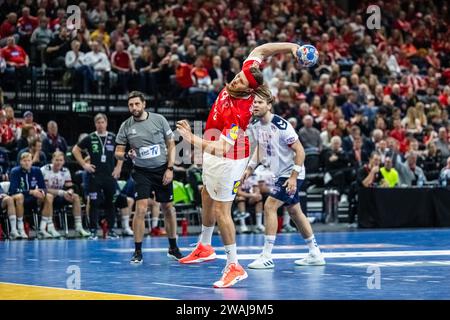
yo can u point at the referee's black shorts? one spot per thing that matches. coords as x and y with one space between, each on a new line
149 181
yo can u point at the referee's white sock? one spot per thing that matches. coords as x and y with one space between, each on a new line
269 241
13 223
43 224
231 252
206 235
312 245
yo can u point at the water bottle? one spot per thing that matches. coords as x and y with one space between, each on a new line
444 179
184 227
420 181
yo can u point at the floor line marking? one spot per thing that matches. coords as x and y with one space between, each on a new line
181 286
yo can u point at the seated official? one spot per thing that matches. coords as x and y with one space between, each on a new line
29 181
390 175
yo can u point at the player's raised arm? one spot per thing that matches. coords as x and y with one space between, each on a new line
269 49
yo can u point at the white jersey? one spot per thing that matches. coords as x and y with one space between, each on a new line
274 141
55 180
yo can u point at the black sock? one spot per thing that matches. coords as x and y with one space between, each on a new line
173 243
138 246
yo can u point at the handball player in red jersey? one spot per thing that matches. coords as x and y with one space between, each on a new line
226 152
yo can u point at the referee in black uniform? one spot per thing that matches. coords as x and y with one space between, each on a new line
152 150
102 172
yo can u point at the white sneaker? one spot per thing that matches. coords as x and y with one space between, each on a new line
287 228
54 234
44 234
344 199
260 229
263 262
311 260
127 232
243 229
22 234
82 233
13 235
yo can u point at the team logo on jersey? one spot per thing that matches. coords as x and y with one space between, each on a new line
233 133
236 185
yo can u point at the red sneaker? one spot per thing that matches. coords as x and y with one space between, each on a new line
201 253
157 231
233 273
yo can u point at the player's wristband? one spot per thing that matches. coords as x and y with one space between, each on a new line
61 193
297 168
252 164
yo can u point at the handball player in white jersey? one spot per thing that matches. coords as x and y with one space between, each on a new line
226 151
278 147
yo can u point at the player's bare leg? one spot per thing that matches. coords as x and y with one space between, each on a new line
233 272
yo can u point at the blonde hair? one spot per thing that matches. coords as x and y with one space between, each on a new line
25 155
57 154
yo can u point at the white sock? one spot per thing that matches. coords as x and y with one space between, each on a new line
50 226
125 222
206 235
13 223
269 241
20 224
259 217
78 224
231 252
242 222
154 222
44 221
312 245
286 218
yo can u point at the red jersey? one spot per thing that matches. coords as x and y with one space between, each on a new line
229 118
14 54
121 59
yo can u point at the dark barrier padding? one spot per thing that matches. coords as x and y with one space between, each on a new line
404 207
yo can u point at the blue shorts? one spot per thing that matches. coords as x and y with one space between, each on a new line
279 192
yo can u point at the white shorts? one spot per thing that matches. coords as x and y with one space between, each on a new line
221 176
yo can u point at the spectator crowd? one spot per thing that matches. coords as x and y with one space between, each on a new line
376 105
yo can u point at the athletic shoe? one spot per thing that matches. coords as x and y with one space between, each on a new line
127 232
311 260
137 258
93 235
13 235
54 233
82 233
201 253
22 234
262 262
174 253
287 228
237 215
259 229
157 231
42 234
112 235
232 274
243 229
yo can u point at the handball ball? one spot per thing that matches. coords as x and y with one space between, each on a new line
307 55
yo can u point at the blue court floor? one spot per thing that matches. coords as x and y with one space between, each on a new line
393 264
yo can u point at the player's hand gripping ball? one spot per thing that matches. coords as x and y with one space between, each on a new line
307 55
